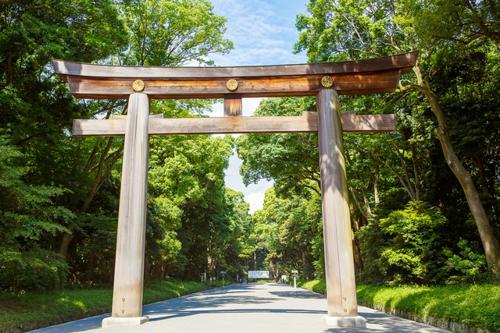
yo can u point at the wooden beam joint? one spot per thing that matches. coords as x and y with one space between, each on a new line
232 105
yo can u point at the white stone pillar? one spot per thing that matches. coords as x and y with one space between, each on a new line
337 233
130 243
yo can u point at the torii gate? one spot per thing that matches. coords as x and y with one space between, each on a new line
324 80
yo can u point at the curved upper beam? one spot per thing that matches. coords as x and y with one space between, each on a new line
349 78
403 62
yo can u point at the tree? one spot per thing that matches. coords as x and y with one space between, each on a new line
289 159
171 33
346 29
28 215
376 164
289 231
158 33
37 110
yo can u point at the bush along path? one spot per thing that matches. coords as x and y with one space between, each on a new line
465 308
29 310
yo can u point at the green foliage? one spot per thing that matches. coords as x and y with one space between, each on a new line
197 220
464 267
318 286
36 269
289 159
458 55
27 211
60 194
412 234
28 215
406 244
286 229
172 32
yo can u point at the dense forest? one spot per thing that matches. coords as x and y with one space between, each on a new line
424 200
59 195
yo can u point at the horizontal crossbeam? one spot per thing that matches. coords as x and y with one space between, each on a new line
307 122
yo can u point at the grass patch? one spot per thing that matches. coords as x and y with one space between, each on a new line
19 313
471 305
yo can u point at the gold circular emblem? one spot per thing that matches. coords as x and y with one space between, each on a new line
138 85
327 81
232 85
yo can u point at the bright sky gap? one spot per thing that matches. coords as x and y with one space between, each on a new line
260 37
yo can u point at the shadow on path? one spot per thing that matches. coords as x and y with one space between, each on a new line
381 322
296 294
182 313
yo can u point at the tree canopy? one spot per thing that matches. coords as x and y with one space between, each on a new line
424 200
444 153
60 194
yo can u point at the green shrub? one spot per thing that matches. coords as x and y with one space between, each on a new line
465 267
471 305
36 269
404 245
406 248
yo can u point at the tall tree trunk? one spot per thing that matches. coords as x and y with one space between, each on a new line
375 190
98 177
415 172
486 230
64 246
102 171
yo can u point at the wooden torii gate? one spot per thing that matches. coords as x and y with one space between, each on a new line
324 80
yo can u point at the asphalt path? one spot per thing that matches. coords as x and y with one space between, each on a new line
252 308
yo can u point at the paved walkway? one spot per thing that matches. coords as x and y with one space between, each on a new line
254 308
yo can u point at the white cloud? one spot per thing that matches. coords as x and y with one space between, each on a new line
263 32
255 200
250 105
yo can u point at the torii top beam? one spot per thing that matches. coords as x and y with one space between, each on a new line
348 78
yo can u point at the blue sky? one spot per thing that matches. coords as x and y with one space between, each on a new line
263 33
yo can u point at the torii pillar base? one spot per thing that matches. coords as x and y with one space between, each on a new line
124 321
342 322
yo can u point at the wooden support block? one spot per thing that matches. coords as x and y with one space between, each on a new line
232 105
308 122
